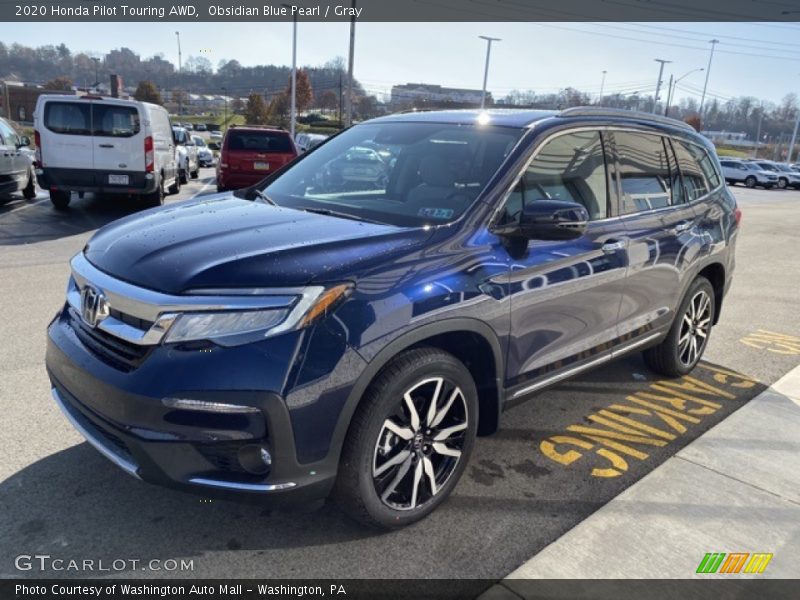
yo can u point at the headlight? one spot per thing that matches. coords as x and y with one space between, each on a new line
232 327
218 325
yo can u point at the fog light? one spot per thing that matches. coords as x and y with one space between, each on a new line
255 459
216 407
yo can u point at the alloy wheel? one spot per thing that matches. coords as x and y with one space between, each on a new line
695 327
420 444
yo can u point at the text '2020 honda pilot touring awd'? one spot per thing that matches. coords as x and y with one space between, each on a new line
348 325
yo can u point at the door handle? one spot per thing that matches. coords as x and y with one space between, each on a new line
612 246
106 145
682 226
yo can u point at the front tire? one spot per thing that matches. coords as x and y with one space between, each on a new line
175 188
156 198
687 339
409 441
29 191
782 183
183 176
196 173
750 181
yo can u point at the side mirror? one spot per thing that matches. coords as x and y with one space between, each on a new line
550 220
24 141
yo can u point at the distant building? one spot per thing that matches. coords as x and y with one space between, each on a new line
18 100
730 138
414 94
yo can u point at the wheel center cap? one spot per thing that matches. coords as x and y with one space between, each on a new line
418 439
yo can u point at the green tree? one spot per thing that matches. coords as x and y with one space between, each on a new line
255 111
147 91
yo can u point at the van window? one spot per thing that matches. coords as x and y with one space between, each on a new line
570 167
647 172
69 118
110 120
259 141
699 172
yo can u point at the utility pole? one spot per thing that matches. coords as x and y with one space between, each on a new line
602 87
225 96
708 72
489 41
180 69
340 96
658 83
349 99
672 87
669 96
794 138
758 130
96 62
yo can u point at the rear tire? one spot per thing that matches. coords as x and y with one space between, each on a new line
156 198
29 191
195 174
182 176
687 339
400 462
750 181
60 199
782 183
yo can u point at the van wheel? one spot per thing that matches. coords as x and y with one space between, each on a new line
60 199
750 181
29 191
196 173
157 197
409 441
175 188
182 176
688 337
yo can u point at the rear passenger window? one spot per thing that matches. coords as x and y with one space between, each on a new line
255 141
647 173
699 171
570 167
70 118
115 121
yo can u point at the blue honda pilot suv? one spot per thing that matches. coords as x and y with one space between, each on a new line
347 326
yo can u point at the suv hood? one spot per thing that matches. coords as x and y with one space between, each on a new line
227 242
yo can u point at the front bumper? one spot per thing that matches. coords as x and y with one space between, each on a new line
121 414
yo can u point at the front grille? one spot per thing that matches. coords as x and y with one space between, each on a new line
131 320
112 350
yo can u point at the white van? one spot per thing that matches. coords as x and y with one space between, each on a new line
105 146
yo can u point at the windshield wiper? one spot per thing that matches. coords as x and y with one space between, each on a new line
266 199
341 215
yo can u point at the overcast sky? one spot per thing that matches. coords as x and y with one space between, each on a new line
761 60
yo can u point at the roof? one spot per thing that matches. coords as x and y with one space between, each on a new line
503 117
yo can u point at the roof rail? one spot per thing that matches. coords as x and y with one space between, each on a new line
599 111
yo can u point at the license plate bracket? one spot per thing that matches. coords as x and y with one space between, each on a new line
119 179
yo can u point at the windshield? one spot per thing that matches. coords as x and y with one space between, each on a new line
404 174
198 141
784 168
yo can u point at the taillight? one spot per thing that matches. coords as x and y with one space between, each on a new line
149 157
37 141
737 214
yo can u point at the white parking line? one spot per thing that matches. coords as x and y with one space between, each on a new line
212 181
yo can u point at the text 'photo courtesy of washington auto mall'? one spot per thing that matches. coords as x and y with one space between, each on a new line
400 299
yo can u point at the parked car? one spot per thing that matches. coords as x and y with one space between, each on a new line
297 340
200 127
205 158
306 141
188 164
787 177
215 135
105 146
752 175
16 168
250 153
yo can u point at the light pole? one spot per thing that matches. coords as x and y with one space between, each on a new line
348 116
96 62
794 138
180 68
658 83
489 41
293 102
602 87
708 72
674 84
758 131
225 97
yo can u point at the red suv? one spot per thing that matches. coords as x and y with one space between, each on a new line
251 153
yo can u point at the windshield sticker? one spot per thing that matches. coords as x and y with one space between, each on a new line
436 213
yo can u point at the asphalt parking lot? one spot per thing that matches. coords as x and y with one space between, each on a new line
545 471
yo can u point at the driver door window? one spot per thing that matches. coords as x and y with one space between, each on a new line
570 167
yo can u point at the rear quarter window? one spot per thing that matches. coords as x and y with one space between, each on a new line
698 169
259 141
